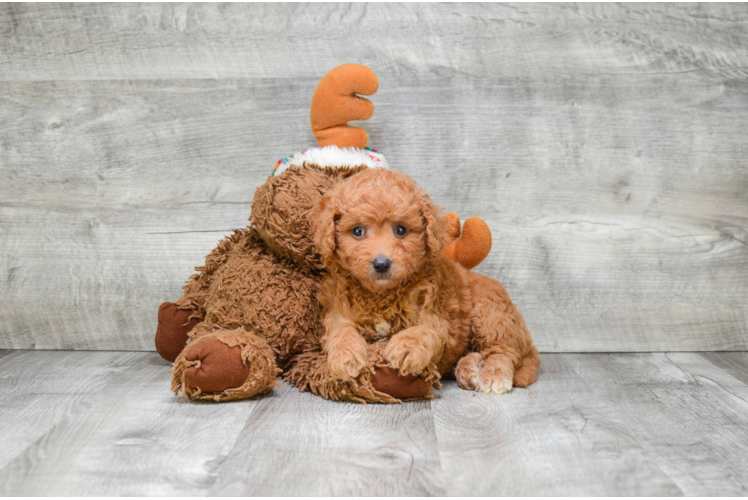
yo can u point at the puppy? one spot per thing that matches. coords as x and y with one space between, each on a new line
381 239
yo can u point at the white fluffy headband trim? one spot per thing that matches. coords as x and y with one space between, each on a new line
333 156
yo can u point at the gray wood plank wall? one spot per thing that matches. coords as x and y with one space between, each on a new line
605 145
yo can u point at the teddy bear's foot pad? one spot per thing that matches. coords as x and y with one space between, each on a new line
389 381
174 325
219 366
224 365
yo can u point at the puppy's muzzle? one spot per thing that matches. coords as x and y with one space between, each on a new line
381 264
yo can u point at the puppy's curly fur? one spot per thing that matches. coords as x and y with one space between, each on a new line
381 239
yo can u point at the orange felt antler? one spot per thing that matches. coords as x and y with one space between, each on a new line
336 102
470 248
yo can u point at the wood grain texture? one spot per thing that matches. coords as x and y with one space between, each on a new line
604 145
298 444
132 438
685 410
734 363
603 424
141 41
40 389
553 437
105 423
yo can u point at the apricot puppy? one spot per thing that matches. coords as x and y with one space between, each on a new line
381 240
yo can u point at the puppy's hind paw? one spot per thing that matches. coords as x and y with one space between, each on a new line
474 374
495 383
467 371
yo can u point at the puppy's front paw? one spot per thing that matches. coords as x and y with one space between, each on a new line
346 363
407 354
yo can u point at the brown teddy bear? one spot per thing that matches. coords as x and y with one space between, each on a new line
251 313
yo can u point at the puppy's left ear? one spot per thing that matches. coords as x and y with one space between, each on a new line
323 217
435 229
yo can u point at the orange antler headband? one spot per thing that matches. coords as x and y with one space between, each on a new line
337 100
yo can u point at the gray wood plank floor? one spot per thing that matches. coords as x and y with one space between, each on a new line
104 423
604 144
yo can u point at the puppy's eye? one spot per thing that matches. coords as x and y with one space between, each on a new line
358 232
401 230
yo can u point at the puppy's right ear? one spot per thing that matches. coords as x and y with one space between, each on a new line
324 217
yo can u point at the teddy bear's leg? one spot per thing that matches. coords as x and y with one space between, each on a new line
174 326
376 384
222 365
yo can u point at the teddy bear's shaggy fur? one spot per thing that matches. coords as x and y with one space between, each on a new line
381 239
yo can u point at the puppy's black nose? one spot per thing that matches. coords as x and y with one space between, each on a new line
381 264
